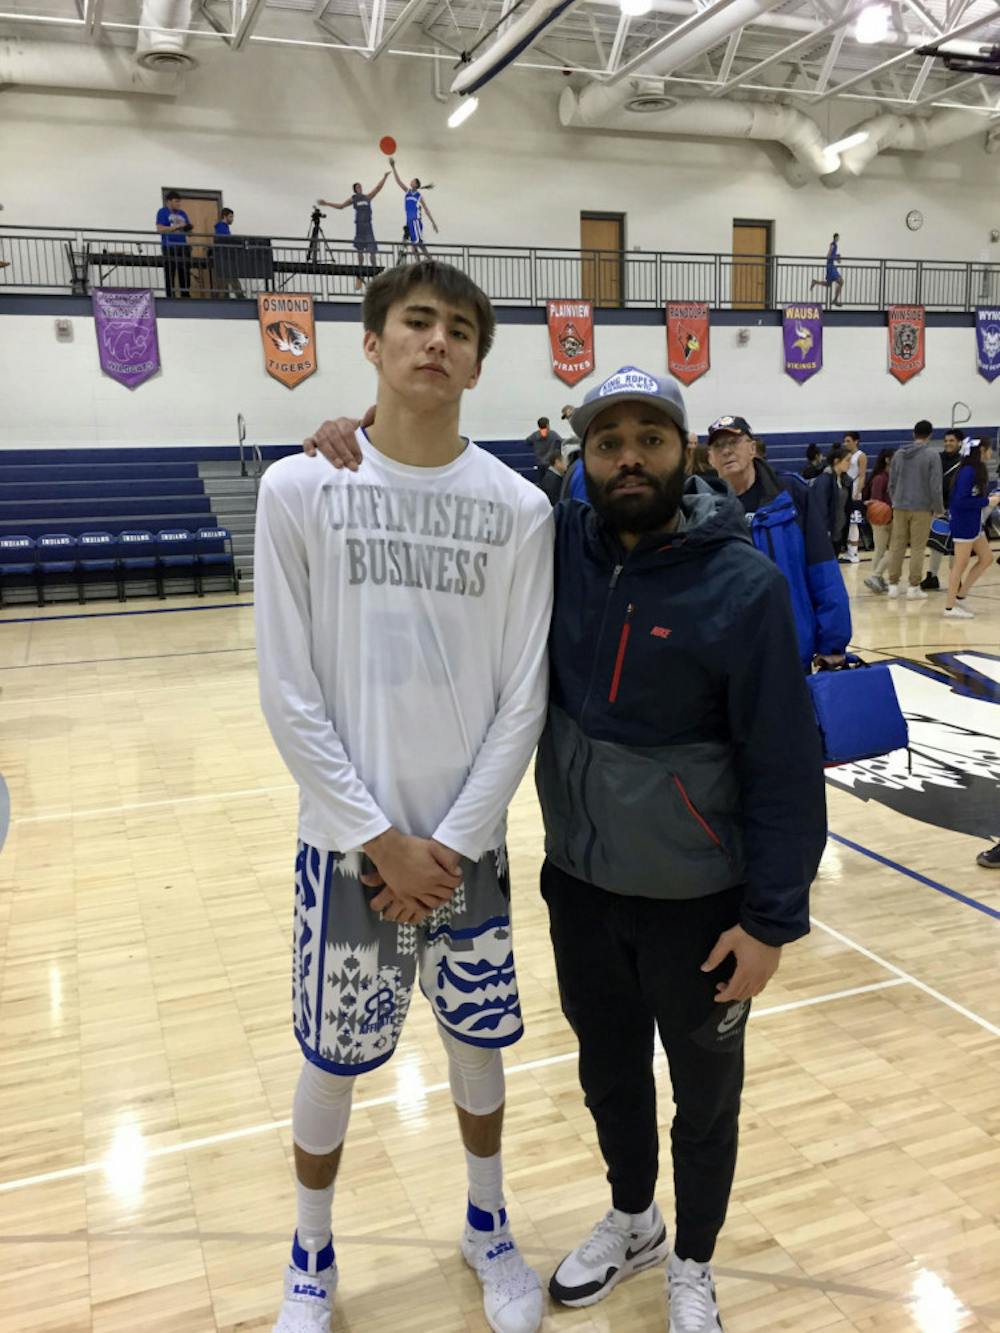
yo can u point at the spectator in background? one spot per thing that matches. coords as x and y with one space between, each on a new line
697 461
833 495
916 495
545 444
222 261
553 478
775 507
173 224
857 468
951 461
814 463
878 492
969 500
759 447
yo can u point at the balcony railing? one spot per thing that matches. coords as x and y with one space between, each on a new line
61 260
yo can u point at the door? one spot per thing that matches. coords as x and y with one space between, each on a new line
751 247
602 245
202 207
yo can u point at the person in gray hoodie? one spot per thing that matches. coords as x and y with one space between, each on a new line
915 492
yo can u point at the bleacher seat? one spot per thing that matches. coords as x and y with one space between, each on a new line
98 562
215 554
18 564
57 562
137 555
176 552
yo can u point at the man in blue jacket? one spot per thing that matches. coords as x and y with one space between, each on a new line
788 523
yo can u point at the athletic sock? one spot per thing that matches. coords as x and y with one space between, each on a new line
642 1222
312 1248
485 1181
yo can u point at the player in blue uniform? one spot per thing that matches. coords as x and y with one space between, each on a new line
416 207
834 278
364 233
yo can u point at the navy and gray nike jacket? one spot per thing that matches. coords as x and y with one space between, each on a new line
681 755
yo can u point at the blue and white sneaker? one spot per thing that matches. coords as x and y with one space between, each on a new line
308 1301
512 1292
613 1251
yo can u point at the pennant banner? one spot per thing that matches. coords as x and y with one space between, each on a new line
687 341
125 322
571 339
288 332
988 343
803 340
906 341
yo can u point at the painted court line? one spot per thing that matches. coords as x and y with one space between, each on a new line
153 611
914 874
65 815
388 1099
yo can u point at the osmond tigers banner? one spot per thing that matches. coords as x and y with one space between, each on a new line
906 341
288 332
571 339
688 356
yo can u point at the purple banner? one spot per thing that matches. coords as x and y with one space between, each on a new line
803 338
988 343
125 322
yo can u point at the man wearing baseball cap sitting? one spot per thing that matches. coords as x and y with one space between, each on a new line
681 784
787 523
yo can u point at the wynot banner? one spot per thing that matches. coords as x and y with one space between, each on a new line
803 341
288 333
688 356
906 341
125 323
571 339
988 343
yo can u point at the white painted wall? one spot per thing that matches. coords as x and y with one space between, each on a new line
274 128
213 369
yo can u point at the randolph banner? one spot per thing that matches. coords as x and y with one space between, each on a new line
988 343
288 333
688 355
803 341
125 323
571 339
906 341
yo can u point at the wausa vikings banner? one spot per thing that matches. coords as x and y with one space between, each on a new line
803 339
571 339
687 341
125 322
988 343
288 332
906 341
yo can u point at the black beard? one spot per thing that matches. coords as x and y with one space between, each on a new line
652 511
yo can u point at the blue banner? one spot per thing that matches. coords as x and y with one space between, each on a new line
988 343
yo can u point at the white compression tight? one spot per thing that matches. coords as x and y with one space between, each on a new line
322 1106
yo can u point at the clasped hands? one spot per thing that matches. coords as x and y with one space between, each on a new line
414 876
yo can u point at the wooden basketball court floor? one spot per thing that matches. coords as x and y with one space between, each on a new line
147 1061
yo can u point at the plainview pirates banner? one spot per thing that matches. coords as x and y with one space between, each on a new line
688 356
906 341
288 333
803 341
571 339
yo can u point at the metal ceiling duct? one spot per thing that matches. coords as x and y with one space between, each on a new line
162 45
100 69
909 133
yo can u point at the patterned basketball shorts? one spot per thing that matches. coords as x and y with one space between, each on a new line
353 973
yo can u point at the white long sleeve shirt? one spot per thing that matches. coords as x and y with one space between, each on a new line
402 619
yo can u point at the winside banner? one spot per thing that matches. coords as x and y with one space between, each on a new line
988 343
906 341
571 339
288 332
688 356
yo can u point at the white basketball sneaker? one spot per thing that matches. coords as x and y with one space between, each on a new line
308 1299
691 1290
612 1251
512 1292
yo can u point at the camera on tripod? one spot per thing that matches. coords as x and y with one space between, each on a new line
315 217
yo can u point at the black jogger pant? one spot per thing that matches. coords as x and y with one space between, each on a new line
625 964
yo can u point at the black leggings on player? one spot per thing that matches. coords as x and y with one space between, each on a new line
625 965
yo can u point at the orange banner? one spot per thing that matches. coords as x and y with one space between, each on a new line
288 332
687 341
571 339
906 341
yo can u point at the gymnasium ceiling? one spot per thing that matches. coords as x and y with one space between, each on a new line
801 51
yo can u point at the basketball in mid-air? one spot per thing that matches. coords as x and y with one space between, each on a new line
879 513
388 144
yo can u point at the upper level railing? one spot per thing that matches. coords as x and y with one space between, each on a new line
48 259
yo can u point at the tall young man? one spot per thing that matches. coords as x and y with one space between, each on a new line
916 492
402 618
856 472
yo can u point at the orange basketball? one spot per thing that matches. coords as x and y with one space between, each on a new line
388 145
879 513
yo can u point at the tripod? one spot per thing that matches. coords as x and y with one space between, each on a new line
316 238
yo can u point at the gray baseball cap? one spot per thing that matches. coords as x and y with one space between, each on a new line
631 385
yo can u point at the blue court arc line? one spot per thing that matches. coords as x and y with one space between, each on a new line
153 611
921 879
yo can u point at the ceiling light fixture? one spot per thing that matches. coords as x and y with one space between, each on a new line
634 9
462 112
872 25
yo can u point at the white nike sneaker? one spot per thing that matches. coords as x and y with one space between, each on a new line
916 593
611 1252
512 1292
691 1290
893 589
308 1301
959 613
